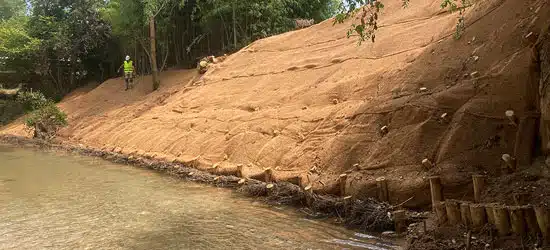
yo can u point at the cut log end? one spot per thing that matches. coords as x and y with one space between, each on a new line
384 130
510 114
427 163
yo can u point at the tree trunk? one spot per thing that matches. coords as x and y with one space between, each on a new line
154 69
234 28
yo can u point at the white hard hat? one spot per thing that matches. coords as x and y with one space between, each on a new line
127 58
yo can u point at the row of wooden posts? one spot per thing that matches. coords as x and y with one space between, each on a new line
520 220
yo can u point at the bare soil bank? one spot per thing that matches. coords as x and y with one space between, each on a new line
311 103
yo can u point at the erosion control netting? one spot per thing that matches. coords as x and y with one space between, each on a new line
313 98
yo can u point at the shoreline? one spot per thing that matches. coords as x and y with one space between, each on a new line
362 215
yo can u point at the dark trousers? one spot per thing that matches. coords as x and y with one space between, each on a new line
128 78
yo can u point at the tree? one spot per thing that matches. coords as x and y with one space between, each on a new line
17 48
152 9
370 10
11 8
70 32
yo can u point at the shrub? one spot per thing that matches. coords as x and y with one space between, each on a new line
31 100
46 121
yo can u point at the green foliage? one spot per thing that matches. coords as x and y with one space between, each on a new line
261 18
11 8
368 22
371 8
46 120
17 47
32 100
49 114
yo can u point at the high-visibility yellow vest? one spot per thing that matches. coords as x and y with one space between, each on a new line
128 66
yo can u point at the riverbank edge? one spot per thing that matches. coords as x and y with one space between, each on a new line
344 211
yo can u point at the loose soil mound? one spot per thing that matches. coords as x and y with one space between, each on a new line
314 99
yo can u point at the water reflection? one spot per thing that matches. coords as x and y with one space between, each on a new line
52 201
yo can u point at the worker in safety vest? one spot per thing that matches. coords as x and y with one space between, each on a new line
128 71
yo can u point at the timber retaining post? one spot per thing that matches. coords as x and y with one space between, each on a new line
436 190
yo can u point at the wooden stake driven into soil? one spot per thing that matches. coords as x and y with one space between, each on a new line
453 212
525 136
502 220
478 216
465 214
517 221
490 210
531 220
383 193
510 114
441 212
435 189
342 183
400 219
268 175
510 162
427 164
240 169
479 186
308 190
543 219
296 180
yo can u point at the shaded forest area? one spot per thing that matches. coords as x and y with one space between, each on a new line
56 46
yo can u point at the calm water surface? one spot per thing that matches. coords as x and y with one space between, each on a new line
54 201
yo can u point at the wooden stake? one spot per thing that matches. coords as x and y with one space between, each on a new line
296 180
342 182
517 220
469 240
543 219
490 210
510 114
400 219
240 172
510 162
384 130
465 214
525 141
427 164
435 189
479 186
531 220
440 212
268 175
478 216
502 220
453 212
383 194
309 195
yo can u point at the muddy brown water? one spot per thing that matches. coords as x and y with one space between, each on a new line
59 201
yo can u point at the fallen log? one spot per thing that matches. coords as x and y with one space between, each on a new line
10 93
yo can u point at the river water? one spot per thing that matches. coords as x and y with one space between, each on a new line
60 201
